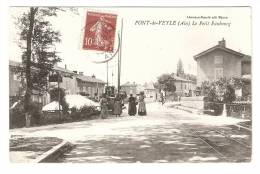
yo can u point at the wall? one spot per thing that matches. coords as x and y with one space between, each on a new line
181 89
246 68
206 66
68 84
90 88
193 102
129 89
14 84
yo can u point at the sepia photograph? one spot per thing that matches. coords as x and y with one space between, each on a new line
130 84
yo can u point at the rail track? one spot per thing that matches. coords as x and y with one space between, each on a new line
226 147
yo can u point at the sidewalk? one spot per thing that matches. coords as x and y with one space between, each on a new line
35 149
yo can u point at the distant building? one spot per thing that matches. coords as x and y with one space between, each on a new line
150 91
220 61
183 86
129 88
68 80
89 85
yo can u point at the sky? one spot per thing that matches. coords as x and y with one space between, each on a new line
147 50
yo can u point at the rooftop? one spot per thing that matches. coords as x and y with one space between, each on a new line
89 79
57 68
221 46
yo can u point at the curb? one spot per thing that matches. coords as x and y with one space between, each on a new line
54 153
188 110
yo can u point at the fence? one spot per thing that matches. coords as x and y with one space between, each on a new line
238 110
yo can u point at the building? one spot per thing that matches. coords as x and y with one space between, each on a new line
150 91
220 61
89 85
15 84
71 81
68 80
184 87
129 88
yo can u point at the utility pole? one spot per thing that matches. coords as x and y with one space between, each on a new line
120 57
107 69
58 77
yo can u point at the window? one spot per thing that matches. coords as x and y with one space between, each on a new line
218 59
218 73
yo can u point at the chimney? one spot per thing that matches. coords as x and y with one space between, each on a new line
65 66
81 73
222 43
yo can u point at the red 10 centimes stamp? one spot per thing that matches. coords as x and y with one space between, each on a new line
100 31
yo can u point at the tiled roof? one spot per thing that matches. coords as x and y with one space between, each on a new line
89 79
215 48
177 78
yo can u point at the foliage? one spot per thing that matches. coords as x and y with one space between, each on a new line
230 95
83 113
58 94
166 82
17 114
218 92
222 90
37 42
40 56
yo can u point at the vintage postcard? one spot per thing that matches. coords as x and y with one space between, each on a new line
130 84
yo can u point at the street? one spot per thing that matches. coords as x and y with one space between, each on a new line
164 135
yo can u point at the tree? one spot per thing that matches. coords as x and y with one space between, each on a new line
166 82
38 41
58 94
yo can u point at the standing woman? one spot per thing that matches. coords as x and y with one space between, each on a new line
132 105
103 104
141 107
118 106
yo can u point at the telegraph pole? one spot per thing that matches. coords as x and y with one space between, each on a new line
120 57
107 69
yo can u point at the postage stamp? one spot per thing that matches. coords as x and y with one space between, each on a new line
100 31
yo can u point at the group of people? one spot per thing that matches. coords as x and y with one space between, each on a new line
118 103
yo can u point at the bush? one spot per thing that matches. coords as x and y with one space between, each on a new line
217 93
230 95
17 114
83 113
87 111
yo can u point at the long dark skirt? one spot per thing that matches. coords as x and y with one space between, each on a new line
132 108
117 108
104 112
142 108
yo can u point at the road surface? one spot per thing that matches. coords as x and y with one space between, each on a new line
165 135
